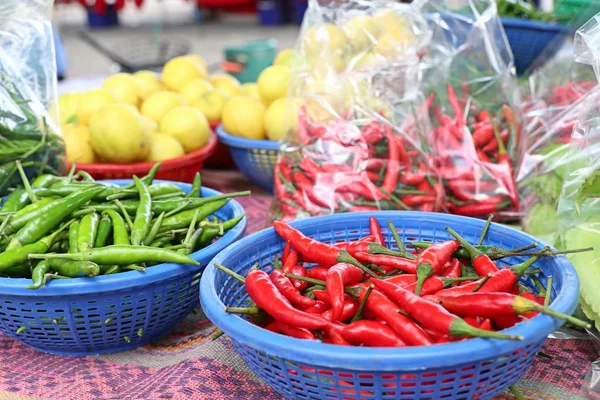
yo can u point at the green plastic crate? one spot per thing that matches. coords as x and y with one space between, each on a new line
581 10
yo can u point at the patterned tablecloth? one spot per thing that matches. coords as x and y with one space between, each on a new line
188 364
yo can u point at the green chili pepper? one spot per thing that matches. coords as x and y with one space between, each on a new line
120 235
45 181
19 271
73 234
55 213
25 181
88 228
15 201
154 230
160 242
184 218
122 255
38 276
210 232
104 229
196 187
109 269
155 189
66 190
85 176
35 206
74 268
13 257
148 179
189 244
143 216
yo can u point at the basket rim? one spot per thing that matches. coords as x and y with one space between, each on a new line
384 359
141 167
243 143
127 280
537 25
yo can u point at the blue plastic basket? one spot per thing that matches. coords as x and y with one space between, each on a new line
533 42
110 313
298 369
255 159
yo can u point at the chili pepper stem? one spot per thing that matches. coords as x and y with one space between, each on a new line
481 283
460 328
217 334
125 214
397 238
230 273
424 271
345 257
547 299
522 306
374 248
243 310
520 269
322 284
515 392
26 184
549 253
361 306
485 229
473 251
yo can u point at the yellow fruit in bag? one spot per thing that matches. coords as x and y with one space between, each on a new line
181 70
124 87
211 105
77 143
195 89
164 147
118 134
281 118
148 82
157 105
244 116
91 102
188 125
326 43
361 32
273 83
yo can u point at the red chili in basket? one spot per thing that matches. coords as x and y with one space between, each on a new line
267 297
349 310
288 290
298 333
319 272
391 174
482 263
432 260
338 276
454 269
433 316
478 209
375 230
290 261
319 308
402 264
299 270
372 333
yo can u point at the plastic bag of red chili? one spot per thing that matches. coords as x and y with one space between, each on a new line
468 70
361 138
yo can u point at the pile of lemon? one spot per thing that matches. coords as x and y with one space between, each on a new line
144 116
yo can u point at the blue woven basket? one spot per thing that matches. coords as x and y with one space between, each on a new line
533 42
255 159
110 313
297 369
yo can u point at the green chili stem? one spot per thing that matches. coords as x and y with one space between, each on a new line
26 183
359 313
178 209
483 281
548 253
218 333
397 238
549 291
230 273
485 229
71 172
125 214
243 310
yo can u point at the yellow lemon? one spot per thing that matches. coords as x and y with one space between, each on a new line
148 83
164 147
244 116
250 89
281 118
160 103
361 32
118 134
77 143
222 79
285 57
326 42
91 102
197 59
150 126
181 70
124 87
396 42
273 83
188 125
193 90
211 105
67 108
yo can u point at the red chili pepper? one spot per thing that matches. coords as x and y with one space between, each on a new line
310 249
303 126
403 156
483 135
504 158
402 264
431 285
459 115
493 144
349 310
338 276
432 260
372 333
506 321
321 295
318 308
364 188
433 316
288 290
319 272
297 195
286 251
299 270
372 132
273 327
483 116
473 321
478 209
298 333
484 158
486 325
414 178
334 331
482 263
290 261
531 297
267 297
385 309
375 230
355 244
402 280
308 188
454 269
413 200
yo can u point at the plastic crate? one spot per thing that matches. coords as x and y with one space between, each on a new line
532 42
580 10
300 369
111 313
255 159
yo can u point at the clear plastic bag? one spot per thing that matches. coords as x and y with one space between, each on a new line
27 91
468 68
361 141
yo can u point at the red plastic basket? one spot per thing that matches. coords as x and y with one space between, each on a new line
221 158
180 169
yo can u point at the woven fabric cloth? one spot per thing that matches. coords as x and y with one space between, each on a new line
188 364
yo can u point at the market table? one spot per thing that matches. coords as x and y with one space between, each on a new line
189 364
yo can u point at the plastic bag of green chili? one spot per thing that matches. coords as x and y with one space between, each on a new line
28 92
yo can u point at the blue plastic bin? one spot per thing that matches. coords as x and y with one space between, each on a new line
256 159
533 42
300 7
111 313
273 12
300 369
107 20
